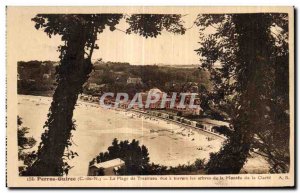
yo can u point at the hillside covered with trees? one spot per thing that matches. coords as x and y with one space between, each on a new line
38 78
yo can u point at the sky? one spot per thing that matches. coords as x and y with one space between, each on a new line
116 46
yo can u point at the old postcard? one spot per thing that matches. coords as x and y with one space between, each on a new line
150 97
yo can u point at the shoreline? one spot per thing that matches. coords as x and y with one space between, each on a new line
203 131
169 143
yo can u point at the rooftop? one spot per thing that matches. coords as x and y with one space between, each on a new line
110 163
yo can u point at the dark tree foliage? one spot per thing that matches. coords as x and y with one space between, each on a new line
79 33
137 161
136 157
25 143
151 25
247 56
31 78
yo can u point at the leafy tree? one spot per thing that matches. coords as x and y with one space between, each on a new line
25 143
137 161
136 157
200 163
151 25
79 34
247 56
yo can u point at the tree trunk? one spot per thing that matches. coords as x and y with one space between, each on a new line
71 75
253 58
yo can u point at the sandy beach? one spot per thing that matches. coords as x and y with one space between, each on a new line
168 143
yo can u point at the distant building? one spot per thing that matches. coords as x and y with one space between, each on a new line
137 80
95 86
109 168
153 92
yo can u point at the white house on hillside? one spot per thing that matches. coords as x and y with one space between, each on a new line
137 80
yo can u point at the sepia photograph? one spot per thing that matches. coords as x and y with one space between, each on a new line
150 96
